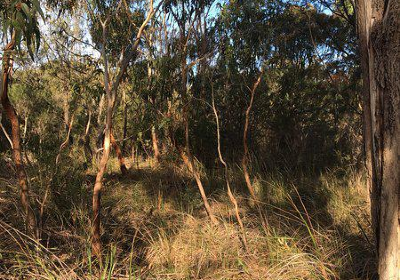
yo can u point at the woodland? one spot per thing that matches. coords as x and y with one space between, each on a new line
209 139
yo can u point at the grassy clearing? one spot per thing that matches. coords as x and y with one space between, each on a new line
155 227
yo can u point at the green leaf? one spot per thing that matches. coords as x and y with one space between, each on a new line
5 27
28 37
19 21
36 4
18 37
37 35
27 12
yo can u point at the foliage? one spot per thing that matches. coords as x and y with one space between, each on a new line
20 18
304 139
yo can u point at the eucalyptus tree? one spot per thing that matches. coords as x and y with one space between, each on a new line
20 25
379 35
109 16
185 16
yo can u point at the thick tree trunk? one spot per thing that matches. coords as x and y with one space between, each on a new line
379 34
11 114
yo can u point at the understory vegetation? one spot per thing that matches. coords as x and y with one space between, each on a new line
315 226
179 139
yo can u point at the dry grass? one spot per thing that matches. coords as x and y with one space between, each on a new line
154 227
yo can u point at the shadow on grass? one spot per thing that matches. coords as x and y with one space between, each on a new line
165 191
149 202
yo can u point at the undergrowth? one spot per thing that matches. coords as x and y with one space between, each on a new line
155 227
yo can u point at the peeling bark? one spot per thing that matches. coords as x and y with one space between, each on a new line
379 34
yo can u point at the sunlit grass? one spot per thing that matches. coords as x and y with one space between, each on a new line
155 227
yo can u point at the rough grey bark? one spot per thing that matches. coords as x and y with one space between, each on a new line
378 24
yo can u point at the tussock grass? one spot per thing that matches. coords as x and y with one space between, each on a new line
155 227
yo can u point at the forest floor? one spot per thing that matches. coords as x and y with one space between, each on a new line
154 227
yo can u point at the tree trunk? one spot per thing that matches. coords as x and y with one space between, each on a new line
185 152
379 34
111 89
100 110
67 116
188 160
221 159
98 185
96 242
121 160
125 128
86 141
31 225
245 146
156 150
